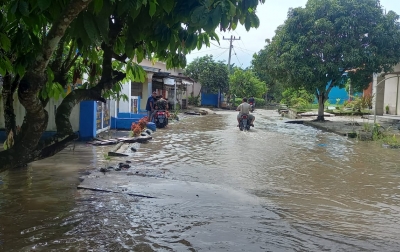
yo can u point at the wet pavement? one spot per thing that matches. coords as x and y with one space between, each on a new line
278 187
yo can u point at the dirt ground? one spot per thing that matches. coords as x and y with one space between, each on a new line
343 125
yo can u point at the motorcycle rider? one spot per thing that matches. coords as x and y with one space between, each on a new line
160 105
150 105
244 109
251 100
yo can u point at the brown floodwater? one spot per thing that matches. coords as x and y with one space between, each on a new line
278 187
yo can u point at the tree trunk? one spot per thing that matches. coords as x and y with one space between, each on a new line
8 91
321 107
36 118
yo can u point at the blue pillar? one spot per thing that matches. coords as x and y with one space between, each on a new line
87 120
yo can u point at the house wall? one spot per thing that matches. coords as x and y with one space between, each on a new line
51 107
392 92
124 106
195 88
336 93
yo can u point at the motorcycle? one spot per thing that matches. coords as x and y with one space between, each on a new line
244 123
252 106
161 119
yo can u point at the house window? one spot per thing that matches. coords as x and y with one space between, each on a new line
136 88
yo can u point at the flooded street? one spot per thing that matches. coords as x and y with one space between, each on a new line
278 187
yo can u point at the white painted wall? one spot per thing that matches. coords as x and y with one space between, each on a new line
392 92
19 111
124 106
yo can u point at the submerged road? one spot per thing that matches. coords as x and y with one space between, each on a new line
210 187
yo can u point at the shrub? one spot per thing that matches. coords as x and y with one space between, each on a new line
194 100
259 102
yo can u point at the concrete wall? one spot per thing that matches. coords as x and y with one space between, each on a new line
51 108
145 94
125 106
392 92
387 92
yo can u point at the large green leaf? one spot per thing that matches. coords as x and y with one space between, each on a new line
167 5
139 54
102 25
23 7
153 8
5 42
90 27
44 4
98 5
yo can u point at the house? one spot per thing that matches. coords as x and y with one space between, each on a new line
386 91
91 118
172 84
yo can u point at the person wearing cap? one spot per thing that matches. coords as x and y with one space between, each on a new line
150 105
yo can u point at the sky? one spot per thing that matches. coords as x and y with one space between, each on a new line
271 14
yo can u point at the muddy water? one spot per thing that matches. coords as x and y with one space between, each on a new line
279 187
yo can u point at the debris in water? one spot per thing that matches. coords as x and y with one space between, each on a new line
104 170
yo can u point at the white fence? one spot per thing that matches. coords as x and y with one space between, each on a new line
51 107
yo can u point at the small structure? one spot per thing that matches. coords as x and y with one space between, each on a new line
386 91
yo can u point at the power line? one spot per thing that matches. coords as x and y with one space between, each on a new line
240 40
241 49
221 54
218 46
231 39
237 56
246 49
215 49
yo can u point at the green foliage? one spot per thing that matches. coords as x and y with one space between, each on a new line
319 43
50 44
297 98
259 101
391 141
212 75
194 100
359 103
259 65
244 83
166 30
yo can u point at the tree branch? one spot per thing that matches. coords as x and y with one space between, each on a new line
57 31
56 65
71 63
36 118
9 88
68 59
121 58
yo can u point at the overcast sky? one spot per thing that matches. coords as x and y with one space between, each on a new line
271 14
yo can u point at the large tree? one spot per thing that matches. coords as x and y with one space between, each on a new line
244 83
39 41
259 65
211 74
328 39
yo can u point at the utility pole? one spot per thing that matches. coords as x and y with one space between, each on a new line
231 39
